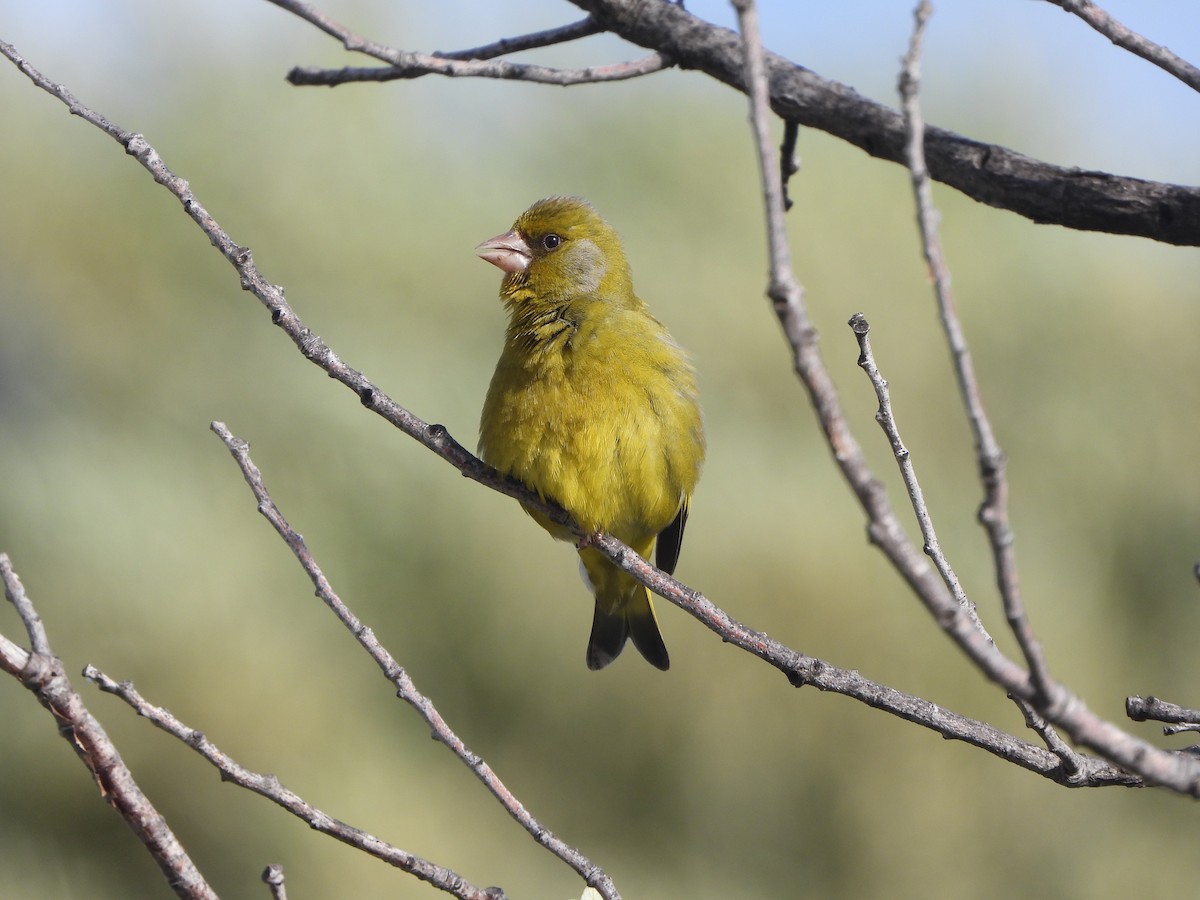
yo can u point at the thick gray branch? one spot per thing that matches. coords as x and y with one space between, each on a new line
997 176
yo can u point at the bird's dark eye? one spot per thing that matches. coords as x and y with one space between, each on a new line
551 241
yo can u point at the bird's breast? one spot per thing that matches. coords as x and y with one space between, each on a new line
597 431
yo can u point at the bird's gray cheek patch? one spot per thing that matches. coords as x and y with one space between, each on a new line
586 265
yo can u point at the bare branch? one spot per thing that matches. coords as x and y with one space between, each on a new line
788 164
42 673
561 35
1130 40
887 421
269 786
477 63
783 288
992 462
396 674
997 176
993 512
353 42
415 65
801 669
1064 709
1151 709
15 592
1074 765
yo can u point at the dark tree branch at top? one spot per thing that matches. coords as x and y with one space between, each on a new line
988 173
997 176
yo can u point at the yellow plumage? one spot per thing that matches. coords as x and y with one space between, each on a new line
593 405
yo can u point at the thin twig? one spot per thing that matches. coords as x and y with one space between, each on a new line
270 787
1181 718
42 673
1072 761
787 297
585 27
1074 764
992 462
1130 40
993 512
416 65
399 677
788 164
353 42
801 670
39 642
908 473
1151 709
783 288
404 64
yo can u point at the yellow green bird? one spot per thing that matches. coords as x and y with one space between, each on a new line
593 405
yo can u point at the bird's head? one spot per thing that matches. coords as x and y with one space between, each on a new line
560 249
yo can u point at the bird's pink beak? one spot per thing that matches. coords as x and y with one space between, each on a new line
507 252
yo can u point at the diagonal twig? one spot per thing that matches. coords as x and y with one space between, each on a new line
403 64
585 27
1072 762
1146 709
991 460
1128 39
993 512
416 65
886 418
788 164
399 677
43 673
270 787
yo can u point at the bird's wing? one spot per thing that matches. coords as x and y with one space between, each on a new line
670 539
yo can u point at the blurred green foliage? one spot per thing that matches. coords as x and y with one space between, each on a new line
122 334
